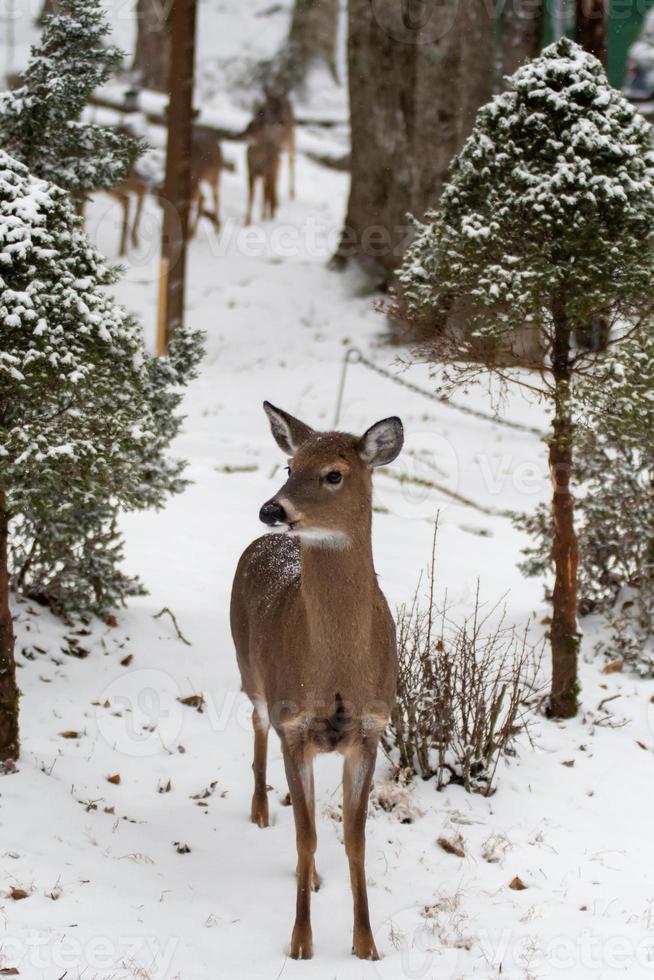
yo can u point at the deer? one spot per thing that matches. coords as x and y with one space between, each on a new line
278 109
263 165
207 164
315 642
270 132
138 186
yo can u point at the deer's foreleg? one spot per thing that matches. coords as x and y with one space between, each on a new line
124 200
291 163
216 203
137 220
259 810
299 772
251 181
357 778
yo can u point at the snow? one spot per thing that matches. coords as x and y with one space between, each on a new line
111 891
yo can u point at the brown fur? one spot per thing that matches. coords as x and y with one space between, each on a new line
271 131
315 644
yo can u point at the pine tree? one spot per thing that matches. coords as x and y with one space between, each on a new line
615 504
40 122
548 220
68 554
82 406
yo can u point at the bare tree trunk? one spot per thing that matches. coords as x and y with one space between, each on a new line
8 689
592 27
477 68
311 40
564 631
415 84
49 7
522 33
152 54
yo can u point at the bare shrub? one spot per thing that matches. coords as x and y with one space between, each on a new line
462 690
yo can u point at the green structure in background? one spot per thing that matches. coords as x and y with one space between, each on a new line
625 23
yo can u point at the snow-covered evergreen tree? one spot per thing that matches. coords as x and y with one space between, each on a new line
548 220
83 408
41 121
615 501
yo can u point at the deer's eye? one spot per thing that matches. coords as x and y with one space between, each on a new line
334 477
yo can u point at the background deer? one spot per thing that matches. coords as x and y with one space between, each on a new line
315 641
137 186
271 131
207 164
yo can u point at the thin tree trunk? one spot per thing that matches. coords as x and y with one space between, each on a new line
49 7
477 65
564 631
592 27
522 33
312 39
152 55
415 85
8 690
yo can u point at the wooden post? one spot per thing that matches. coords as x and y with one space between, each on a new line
176 203
592 27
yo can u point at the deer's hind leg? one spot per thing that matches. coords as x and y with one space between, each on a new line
261 725
357 778
298 761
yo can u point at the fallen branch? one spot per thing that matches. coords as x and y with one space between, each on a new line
175 624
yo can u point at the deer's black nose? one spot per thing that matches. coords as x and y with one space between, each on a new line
272 513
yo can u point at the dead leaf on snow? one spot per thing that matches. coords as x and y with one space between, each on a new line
18 893
115 779
454 846
193 701
517 884
614 667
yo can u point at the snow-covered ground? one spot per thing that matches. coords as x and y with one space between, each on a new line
160 875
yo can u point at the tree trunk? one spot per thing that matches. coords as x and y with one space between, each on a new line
8 688
564 631
415 84
522 33
477 64
152 54
592 27
49 7
311 40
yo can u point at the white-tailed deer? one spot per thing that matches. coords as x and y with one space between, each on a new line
278 109
263 165
207 163
136 186
271 131
315 641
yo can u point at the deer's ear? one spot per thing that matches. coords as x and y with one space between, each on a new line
382 443
288 432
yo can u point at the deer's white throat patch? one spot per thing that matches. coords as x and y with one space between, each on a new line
322 537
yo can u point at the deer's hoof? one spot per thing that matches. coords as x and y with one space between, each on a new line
301 945
259 813
364 947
